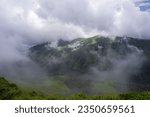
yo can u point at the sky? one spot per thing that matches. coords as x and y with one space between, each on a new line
24 23
143 4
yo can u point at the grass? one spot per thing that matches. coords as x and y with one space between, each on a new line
9 91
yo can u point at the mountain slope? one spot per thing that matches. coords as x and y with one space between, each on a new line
97 64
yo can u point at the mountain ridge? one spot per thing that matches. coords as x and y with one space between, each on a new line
123 61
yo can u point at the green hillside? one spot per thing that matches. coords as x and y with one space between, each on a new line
9 91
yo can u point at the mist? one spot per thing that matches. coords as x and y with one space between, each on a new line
119 75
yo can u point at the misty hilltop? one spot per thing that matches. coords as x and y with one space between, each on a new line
81 54
97 64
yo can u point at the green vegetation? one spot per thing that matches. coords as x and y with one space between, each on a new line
9 91
56 86
103 88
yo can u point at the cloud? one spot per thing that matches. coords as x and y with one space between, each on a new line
24 23
106 16
41 20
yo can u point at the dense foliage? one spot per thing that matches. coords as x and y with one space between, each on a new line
8 90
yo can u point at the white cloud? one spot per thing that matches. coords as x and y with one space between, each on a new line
34 21
110 16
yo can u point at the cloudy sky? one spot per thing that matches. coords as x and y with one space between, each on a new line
26 22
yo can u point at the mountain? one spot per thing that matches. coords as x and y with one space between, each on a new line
97 64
